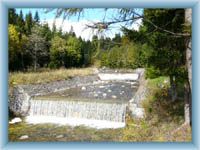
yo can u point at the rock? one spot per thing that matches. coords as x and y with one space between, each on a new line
109 91
15 120
103 67
95 95
139 112
23 137
165 81
59 136
104 94
101 86
83 88
133 86
96 71
136 111
113 96
122 92
123 86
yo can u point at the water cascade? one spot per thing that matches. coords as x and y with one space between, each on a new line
98 101
93 114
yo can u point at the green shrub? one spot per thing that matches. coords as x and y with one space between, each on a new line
152 72
125 56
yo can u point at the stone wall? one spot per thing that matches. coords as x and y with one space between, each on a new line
135 104
19 102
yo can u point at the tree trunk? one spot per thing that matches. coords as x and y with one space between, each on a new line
173 90
188 88
188 105
22 61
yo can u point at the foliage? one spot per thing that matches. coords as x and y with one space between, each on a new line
16 48
37 48
29 23
65 53
35 45
128 55
36 17
57 52
168 51
12 16
73 52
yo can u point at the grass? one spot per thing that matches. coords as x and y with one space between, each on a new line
163 116
16 78
148 130
49 132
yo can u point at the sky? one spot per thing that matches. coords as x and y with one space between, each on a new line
79 26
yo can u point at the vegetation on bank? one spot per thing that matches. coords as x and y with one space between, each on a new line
46 75
164 118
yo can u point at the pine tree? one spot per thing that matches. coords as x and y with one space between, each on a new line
21 23
12 16
29 23
71 32
53 29
36 17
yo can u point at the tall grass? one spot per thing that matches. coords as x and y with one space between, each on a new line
164 119
45 76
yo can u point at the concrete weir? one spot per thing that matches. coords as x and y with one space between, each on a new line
98 101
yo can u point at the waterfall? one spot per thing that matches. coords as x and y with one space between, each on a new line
89 113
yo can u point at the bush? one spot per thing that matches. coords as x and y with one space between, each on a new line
125 56
152 72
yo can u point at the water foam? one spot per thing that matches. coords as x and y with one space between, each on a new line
98 124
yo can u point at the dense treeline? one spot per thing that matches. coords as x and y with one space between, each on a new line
34 45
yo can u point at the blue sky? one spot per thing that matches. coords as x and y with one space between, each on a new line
88 16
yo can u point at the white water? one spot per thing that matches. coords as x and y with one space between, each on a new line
92 114
118 76
98 124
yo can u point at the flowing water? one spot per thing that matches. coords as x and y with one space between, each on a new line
101 104
104 115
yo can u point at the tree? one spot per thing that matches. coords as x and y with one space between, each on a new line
29 23
36 17
57 52
188 87
20 23
53 29
46 32
37 47
16 48
13 47
168 55
65 52
71 32
12 16
73 53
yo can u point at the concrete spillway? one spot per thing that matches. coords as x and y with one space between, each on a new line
77 112
118 76
99 102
